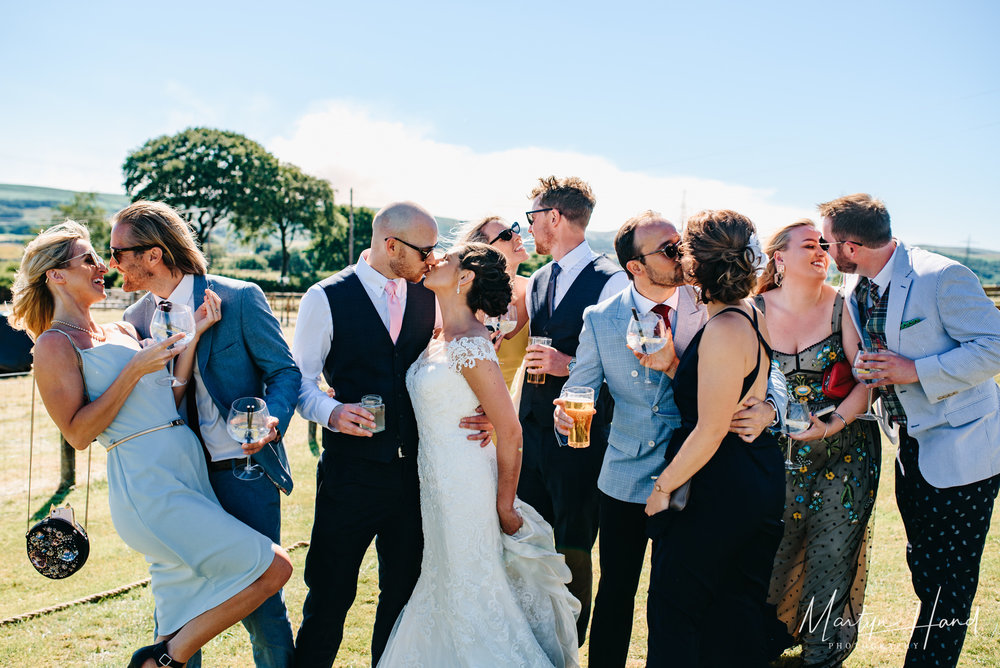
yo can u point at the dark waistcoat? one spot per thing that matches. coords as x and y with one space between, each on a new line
363 360
563 327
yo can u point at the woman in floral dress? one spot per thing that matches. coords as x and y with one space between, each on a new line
818 581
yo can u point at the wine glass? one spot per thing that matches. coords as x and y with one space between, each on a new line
248 423
170 319
646 334
861 375
508 321
797 420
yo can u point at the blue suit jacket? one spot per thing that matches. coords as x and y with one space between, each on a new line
243 355
645 415
952 332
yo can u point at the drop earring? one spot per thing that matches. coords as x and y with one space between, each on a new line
458 289
779 274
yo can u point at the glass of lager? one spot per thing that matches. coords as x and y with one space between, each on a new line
579 406
534 377
373 404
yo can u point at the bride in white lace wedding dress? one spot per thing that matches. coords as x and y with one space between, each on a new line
484 598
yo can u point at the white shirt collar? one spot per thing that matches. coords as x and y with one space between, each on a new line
372 278
575 256
884 277
645 305
183 293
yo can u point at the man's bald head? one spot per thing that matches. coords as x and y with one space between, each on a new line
405 219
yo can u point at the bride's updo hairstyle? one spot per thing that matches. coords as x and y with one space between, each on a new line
490 291
718 255
33 304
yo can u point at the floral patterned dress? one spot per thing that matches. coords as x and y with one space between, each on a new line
818 581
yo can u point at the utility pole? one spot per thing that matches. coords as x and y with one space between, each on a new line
350 231
683 210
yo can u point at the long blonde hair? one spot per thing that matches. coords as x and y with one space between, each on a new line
156 224
779 242
33 303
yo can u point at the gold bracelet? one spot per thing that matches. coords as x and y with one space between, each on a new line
659 489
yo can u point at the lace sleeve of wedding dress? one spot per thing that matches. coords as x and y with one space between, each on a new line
467 350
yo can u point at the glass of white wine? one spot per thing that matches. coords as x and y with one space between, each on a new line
247 423
797 420
169 319
646 334
861 375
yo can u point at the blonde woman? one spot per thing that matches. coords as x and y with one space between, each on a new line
98 382
822 561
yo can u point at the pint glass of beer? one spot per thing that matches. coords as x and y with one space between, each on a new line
579 406
530 376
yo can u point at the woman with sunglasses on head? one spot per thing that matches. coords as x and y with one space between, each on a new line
98 382
496 232
712 553
822 561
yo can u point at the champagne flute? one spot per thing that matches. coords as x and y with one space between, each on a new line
646 334
797 420
861 376
169 319
248 423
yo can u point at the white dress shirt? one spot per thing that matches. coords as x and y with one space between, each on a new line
218 442
570 266
314 336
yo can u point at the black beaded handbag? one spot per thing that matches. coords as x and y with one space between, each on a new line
58 545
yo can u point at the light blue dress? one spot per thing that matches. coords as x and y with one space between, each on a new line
162 504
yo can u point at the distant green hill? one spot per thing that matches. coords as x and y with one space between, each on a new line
23 209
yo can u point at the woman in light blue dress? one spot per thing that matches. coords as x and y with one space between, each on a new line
208 570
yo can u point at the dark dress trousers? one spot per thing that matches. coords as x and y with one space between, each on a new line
561 482
366 488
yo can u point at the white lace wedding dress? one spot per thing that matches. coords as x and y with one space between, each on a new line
484 599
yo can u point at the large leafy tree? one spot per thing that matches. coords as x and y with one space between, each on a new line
329 251
208 175
85 210
291 206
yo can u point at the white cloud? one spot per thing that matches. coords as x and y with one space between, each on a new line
386 160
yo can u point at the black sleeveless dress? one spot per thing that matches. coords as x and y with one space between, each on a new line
711 562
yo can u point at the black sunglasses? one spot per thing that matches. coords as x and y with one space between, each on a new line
116 252
531 221
424 252
508 234
825 245
669 250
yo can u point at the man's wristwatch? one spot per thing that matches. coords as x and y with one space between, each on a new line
571 364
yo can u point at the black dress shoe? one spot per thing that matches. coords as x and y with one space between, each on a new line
157 653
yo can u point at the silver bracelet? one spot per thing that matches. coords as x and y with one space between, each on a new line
841 417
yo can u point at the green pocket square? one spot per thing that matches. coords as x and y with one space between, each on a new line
910 323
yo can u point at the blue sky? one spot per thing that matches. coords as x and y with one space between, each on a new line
768 108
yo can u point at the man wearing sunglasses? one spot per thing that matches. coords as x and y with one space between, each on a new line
644 415
360 330
939 336
242 355
561 482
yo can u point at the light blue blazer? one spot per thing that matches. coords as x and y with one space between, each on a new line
939 316
242 355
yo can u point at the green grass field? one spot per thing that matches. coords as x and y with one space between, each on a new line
105 633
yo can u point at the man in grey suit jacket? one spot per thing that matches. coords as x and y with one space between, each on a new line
242 355
644 418
939 337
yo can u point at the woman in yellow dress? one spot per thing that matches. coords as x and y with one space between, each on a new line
505 237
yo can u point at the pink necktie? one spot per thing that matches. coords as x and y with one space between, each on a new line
395 311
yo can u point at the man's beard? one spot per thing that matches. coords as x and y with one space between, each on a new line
667 280
400 268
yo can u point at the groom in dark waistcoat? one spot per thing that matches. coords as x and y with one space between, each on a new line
361 329
560 482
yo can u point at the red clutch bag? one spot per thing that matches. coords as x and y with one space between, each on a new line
838 381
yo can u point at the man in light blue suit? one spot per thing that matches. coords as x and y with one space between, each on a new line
645 415
940 340
243 355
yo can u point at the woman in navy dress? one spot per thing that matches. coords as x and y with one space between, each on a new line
711 562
